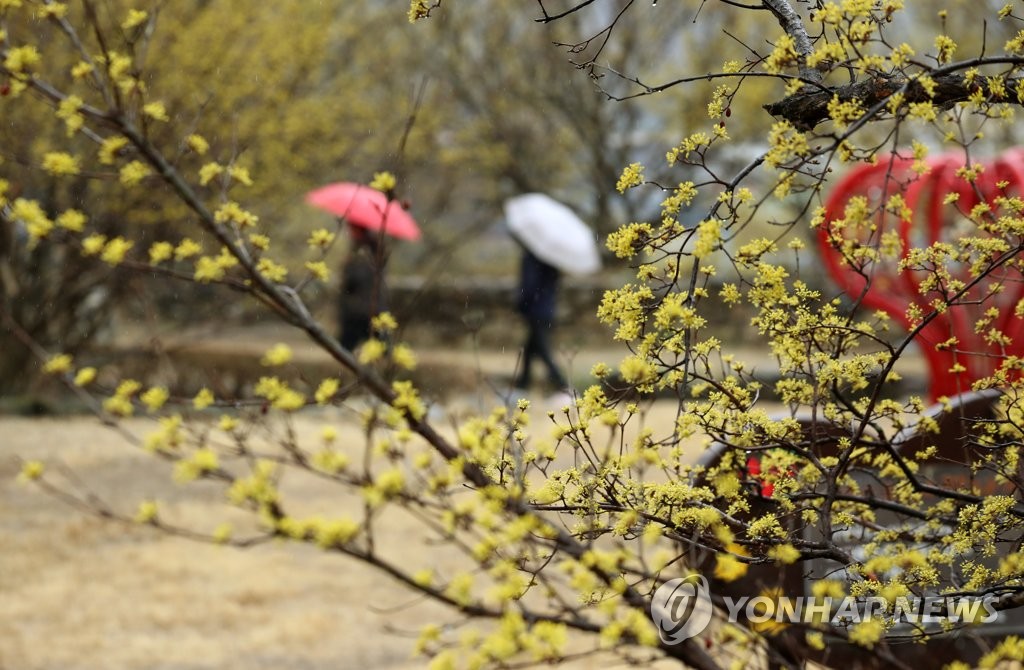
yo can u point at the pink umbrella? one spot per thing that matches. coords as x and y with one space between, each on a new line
366 207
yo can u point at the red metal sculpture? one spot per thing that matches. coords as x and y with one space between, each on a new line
934 209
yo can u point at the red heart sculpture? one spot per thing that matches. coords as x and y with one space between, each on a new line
878 283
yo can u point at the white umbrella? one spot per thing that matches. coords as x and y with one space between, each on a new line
553 233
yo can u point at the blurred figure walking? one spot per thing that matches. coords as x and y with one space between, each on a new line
370 214
363 290
538 290
554 241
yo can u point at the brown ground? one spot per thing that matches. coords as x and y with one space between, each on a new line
79 593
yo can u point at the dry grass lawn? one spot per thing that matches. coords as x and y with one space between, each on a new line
79 593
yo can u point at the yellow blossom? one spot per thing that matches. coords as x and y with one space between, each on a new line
372 350
109 149
135 17
156 111
240 174
319 270
336 533
60 164
115 250
326 390
1015 45
389 483
233 212
279 354
198 144
68 111
85 376
154 398
72 219
404 357
261 242
729 568
320 238
784 54
147 512
868 632
384 322
21 58
273 271
828 588
203 399
57 365
383 181
785 554
133 173
632 175
118 405
222 533
330 461
419 9
636 370
209 172
187 248
201 461
32 215
55 10
93 244
923 111
208 269
407 398
81 69
289 400
708 236
160 252
31 471
946 48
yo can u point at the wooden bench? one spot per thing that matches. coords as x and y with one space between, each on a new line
948 466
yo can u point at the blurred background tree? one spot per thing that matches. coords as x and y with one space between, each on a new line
467 110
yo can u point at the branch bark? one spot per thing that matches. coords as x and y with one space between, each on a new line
794 27
806 110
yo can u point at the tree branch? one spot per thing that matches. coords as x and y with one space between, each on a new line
807 110
794 27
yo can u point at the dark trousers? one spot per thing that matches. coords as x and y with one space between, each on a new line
538 345
354 331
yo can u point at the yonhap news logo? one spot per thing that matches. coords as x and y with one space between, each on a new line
681 608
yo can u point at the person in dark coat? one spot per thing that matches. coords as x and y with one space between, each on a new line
538 288
363 291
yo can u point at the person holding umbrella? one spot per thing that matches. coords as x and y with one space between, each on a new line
363 290
538 288
370 215
554 241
